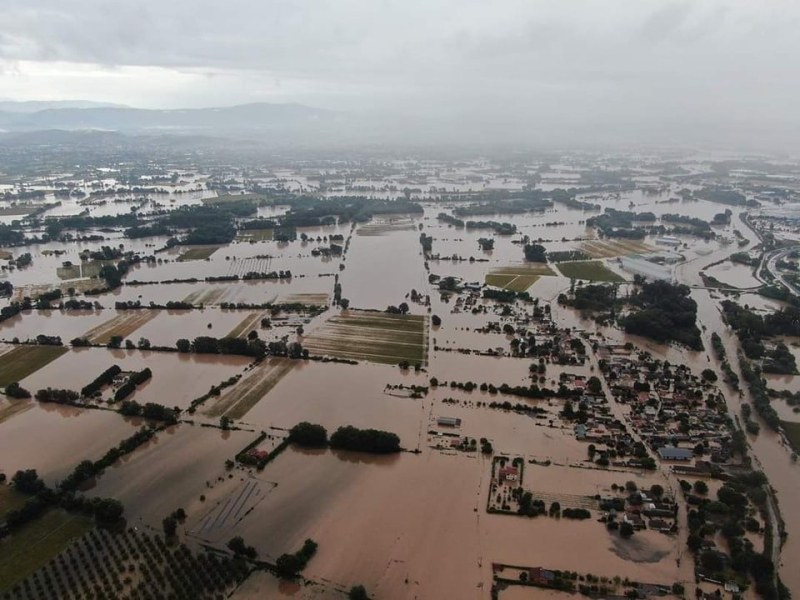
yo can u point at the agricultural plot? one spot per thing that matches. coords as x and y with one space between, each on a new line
21 361
307 299
83 270
35 543
792 431
216 523
518 278
375 337
207 295
251 322
592 270
198 253
255 235
609 248
33 291
10 500
239 399
104 564
226 198
384 226
124 324
17 211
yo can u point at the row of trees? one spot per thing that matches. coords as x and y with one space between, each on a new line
345 438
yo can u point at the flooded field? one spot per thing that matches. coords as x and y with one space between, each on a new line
335 395
375 337
191 458
64 436
486 416
177 378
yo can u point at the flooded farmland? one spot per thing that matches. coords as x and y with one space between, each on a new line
487 385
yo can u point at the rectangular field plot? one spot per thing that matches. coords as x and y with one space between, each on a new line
374 337
35 543
124 324
518 278
255 235
198 253
21 361
609 248
592 270
237 401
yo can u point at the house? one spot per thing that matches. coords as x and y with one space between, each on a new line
509 474
673 453
580 431
540 576
448 422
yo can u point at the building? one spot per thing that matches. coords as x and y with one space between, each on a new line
509 474
673 453
648 270
668 240
448 422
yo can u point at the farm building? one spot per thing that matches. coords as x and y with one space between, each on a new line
673 453
639 266
448 421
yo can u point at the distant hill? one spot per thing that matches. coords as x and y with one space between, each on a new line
284 118
37 105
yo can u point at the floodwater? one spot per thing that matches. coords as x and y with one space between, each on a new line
335 395
177 378
437 509
381 270
170 471
53 438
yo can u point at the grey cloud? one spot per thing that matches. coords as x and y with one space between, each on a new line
616 66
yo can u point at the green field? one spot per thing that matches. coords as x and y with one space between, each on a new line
606 248
518 278
87 269
374 337
35 543
225 198
255 235
198 253
792 431
10 500
592 270
21 361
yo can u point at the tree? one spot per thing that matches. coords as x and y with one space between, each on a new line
656 490
358 592
403 308
183 345
594 385
288 565
626 529
14 390
436 320
170 525
108 510
709 375
308 434
700 487
344 303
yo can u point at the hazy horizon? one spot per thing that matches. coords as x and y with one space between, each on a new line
672 73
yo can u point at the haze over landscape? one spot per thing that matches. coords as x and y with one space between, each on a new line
538 73
349 300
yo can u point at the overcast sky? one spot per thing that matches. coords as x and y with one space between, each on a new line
652 67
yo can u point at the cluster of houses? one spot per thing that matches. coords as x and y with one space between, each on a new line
681 417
